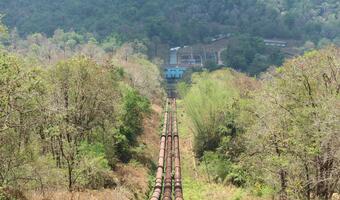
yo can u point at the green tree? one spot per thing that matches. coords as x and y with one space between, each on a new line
177 22
250 55
22 98
294 142
111 43
86 100
134 108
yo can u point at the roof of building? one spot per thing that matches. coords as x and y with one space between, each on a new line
274 41
175 49
215 46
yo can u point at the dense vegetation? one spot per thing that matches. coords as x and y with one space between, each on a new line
70 112
178 22
250 54
278 135
161 24
76 89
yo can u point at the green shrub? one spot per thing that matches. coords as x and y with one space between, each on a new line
92 167
216 166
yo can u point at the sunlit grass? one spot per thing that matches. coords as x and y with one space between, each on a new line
195 184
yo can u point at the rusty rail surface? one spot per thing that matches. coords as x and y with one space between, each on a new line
160 167
178 176
168 168
169 165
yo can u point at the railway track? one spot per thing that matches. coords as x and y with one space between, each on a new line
168 184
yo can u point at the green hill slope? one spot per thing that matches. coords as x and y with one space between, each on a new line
178 22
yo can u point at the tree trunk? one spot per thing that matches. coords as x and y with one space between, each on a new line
70 181
283 180
308 188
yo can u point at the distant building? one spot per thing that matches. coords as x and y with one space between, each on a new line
173 56
174 73
277 43
197 55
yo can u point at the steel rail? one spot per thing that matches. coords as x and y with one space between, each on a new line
168 168
160 167
168 183
178 175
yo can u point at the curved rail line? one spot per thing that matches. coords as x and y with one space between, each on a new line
169 163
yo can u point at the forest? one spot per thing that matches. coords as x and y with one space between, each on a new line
71 113
308 24
177 22
82 95
276 135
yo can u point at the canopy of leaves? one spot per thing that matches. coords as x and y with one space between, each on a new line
67 124
295 136
250 55
177 22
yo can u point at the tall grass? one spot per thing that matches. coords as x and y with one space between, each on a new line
207 103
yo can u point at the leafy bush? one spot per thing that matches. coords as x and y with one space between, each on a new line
222 170
216 166
11 194
294 141
211 65
92 165
237 175
250 55
66 125
205 104
134 108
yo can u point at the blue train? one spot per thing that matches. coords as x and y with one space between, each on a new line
174 72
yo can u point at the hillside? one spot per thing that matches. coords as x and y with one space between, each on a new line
177 22
182 99
275 137
76 121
